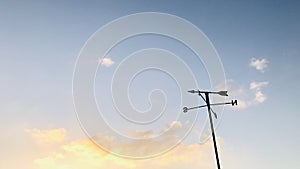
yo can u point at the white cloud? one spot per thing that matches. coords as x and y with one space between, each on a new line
106 61
238 92
246 96
258 85
259 64
260 97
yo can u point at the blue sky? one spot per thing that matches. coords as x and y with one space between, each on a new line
40 42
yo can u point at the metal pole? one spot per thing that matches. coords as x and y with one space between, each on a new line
212 129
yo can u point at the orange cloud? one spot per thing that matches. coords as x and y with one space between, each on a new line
85 154
80 154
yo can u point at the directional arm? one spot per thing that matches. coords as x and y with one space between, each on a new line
185 109
233 103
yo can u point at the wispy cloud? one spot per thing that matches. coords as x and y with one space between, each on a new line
258 85
106 61
47 136
172 128
259 64
144 143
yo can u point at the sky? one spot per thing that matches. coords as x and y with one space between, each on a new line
41 43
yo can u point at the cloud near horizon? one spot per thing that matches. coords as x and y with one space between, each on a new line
47 136
84 153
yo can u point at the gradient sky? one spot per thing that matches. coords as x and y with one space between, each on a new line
40 41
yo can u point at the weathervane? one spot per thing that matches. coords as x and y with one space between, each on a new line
208 104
